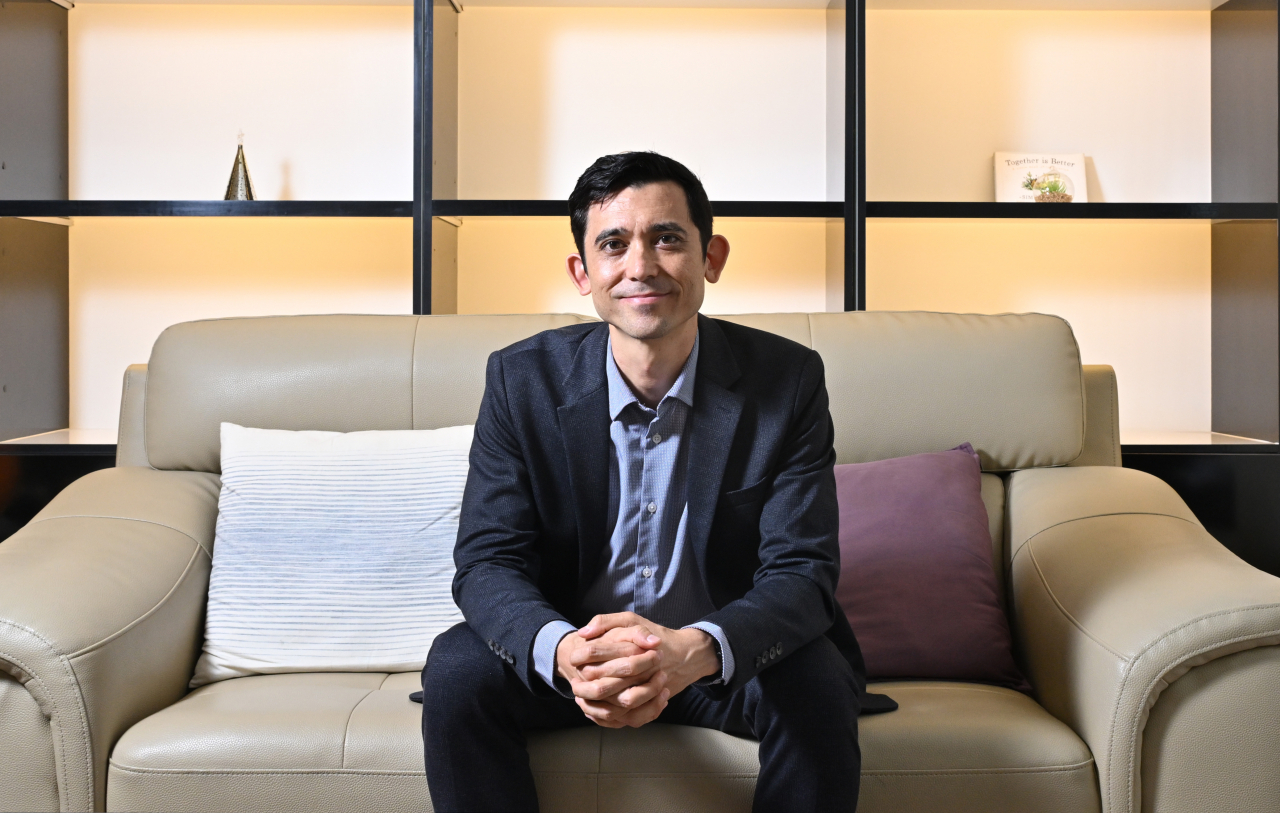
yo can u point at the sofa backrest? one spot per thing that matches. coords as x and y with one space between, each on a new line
908 382
900 383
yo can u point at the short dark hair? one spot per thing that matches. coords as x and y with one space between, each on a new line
611 174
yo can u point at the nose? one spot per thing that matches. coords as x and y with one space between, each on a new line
642 260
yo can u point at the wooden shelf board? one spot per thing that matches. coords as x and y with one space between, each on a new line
206 208
62 442
1044 5
558 208
1073 211
1193 443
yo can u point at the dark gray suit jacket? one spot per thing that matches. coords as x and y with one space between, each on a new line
762 518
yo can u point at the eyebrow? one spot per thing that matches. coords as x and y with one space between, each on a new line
666 226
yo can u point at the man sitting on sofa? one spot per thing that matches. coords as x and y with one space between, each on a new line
649 528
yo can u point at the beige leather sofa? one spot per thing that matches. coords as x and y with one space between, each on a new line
1153 650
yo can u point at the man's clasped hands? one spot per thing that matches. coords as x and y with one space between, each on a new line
624 669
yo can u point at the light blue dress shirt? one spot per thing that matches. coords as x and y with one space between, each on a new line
651 569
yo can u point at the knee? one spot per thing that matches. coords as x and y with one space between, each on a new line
816 676
459 666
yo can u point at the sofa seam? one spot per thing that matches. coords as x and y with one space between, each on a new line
346 727
146 390
124 399
1057 603
1027 541
413 375
261 771
1074 767
1132 732
1112 425
178 582
83 719
197 542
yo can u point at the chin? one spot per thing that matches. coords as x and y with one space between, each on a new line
642 327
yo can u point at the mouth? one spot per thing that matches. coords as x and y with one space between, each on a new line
646 298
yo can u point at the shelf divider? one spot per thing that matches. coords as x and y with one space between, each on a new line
206 208
1073 211
558 208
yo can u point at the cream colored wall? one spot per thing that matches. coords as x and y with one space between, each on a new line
130 278
516 265
158 92
737 95
948 89
1136 293
324 95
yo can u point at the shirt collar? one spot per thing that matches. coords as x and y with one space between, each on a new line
621 396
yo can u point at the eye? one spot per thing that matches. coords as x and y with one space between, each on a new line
612 245
669 239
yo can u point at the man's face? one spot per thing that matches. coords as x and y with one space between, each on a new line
643 266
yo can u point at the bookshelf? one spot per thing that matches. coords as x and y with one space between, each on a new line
481 156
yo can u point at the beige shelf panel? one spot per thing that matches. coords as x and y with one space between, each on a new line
743 4
66 437
1134 437
1045 5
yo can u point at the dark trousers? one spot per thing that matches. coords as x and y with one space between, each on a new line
476 712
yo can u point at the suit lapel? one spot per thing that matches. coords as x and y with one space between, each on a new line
716 410
584 430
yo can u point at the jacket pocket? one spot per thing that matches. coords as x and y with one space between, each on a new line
746 496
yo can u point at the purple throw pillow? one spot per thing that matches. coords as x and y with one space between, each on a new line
916 581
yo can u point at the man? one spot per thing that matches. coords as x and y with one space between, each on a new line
649 528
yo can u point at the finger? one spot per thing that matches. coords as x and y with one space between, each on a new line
633 697
608 689
642 635
602 714
623 667
648 712
603 689
607 621
601 651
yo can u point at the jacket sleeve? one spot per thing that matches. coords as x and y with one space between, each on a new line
496 555
792 601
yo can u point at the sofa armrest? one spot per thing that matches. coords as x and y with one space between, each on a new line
102 600
1118 591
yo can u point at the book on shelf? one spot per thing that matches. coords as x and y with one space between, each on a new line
1040 178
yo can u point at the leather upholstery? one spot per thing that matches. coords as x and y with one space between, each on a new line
905 383
27 775
1102 418
1117 593
335 373
130 448
336 742
1152 648
101 601
1204 735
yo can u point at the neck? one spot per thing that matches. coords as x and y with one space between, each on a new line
651 366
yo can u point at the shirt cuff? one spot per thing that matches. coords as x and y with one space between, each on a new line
726 654
544 649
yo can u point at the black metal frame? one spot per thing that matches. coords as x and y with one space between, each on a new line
423 51
206 208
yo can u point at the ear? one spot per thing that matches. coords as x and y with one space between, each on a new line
577 270
717 256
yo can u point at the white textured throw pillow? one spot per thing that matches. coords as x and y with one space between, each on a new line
334 551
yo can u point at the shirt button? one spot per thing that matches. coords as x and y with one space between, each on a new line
653 507
647 572
657 438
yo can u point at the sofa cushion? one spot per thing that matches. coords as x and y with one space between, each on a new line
906 383
334 550
341 742
334 373
916 575
900 383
